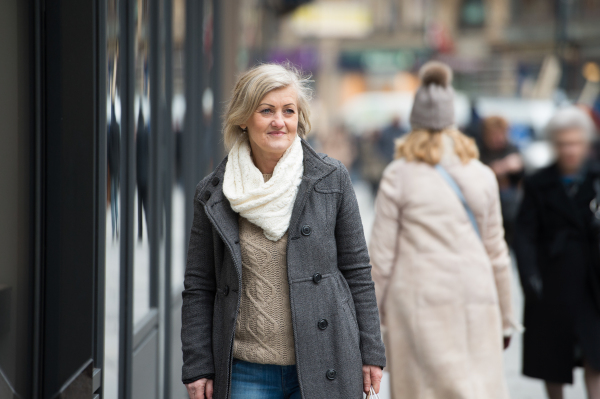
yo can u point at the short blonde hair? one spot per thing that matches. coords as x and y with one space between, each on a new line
427 146
253 85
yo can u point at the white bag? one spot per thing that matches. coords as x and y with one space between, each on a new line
372 394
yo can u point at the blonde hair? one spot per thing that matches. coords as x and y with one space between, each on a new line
427 146
253 85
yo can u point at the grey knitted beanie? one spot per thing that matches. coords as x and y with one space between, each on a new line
433 108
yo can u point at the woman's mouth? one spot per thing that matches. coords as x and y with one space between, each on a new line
277 133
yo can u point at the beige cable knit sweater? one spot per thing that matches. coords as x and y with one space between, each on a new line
264 331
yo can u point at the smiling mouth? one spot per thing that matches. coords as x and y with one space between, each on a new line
277 133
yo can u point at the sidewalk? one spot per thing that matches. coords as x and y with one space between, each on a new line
520 387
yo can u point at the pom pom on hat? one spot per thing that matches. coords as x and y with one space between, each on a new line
435 72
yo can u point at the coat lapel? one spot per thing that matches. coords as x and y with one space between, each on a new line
315 169
222 217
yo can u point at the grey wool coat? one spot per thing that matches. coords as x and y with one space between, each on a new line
329 275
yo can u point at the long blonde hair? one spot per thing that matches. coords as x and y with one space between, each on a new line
426 146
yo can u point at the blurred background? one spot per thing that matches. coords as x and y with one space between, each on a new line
111 115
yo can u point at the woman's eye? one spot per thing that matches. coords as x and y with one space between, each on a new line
289 111
266 111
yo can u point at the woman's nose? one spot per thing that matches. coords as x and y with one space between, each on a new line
277 120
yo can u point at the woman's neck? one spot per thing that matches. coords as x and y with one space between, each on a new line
265 162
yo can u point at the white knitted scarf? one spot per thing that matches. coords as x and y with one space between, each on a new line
268 204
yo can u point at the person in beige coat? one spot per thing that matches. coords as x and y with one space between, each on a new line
442 278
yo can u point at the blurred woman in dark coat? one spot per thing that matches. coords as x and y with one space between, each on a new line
557 253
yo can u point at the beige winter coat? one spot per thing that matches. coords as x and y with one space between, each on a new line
443 293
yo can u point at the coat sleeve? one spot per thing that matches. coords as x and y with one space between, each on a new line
198 299
497 250
526 241
353 262
384 236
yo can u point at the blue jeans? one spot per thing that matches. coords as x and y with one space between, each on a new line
263 381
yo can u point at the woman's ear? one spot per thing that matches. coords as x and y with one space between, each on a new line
243 127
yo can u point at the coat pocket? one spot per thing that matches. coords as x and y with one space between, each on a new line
350 315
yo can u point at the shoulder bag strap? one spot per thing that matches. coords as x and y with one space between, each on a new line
446 176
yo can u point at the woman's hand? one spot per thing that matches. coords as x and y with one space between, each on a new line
201 389
372 376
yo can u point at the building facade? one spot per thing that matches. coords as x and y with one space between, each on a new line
111 115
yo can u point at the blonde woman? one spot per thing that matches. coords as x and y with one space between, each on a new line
440 263
278 301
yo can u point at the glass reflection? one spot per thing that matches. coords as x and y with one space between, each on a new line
208 79
178 109
113 203
179 201
141 288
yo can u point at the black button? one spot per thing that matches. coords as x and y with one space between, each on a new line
322 324
317 278
331 373
226 290
215 181
306 230
237 241
206 195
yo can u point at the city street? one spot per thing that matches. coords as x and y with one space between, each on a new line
520 387
114 110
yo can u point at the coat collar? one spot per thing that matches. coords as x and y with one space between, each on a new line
225 220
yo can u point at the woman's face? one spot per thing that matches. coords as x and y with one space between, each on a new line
273 125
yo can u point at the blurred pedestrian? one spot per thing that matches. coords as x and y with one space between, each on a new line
340 145
278 301
388 137
497 152
372 163
557 253
440 263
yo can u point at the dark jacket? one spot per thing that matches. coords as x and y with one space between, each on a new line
557 254
329 276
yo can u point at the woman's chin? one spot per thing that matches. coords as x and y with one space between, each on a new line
279 143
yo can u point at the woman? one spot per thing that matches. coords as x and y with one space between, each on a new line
441 267
497 152
557 253
278 300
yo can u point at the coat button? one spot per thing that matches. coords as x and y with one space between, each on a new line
215 181
317 278
306 230
322 324
331 373
226 290
206 195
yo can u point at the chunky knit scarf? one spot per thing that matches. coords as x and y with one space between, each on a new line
268 204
